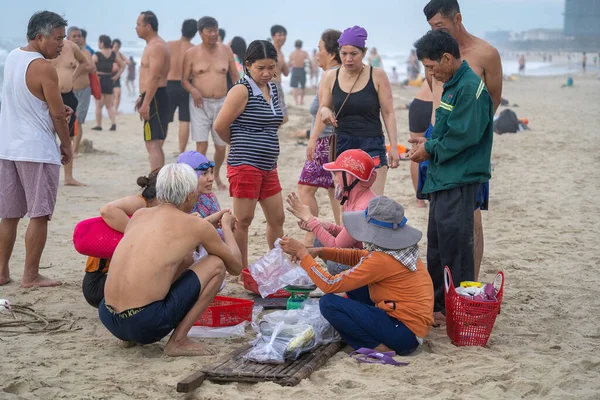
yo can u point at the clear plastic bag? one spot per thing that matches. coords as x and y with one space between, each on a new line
285 335
309 314
218 332
277 343
274 271
238 330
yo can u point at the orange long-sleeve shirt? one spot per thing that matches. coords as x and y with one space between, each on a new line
388 281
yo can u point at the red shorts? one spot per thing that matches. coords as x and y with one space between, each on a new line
246 182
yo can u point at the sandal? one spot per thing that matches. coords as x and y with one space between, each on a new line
371 356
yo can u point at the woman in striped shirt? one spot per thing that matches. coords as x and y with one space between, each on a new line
248 122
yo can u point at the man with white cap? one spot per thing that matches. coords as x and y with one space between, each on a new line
398 312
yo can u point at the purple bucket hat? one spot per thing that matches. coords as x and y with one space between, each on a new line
196 160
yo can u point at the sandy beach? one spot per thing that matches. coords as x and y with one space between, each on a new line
542 230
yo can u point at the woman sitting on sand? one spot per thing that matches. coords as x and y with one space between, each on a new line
355 173
249 121
397 313
354 99
116 215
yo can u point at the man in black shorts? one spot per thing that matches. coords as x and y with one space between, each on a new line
70 65
179 98
155 286
153 103
298 60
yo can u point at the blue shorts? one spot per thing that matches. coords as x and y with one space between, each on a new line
374 145
483 194
151 323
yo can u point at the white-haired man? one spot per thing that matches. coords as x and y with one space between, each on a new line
153 285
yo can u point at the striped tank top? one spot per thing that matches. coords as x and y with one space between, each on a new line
254 139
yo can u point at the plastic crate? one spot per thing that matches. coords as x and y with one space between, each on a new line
226 311
251 285
470 322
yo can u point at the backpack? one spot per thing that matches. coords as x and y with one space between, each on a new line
507 122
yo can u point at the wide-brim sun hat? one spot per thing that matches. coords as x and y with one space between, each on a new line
383 223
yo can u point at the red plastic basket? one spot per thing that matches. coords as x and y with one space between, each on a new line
251 285
470 322
226 311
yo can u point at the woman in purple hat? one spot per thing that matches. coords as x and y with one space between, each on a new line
354 98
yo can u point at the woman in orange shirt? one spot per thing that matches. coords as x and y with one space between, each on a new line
399 311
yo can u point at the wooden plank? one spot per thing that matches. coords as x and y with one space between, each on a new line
236 369
192 382
312 365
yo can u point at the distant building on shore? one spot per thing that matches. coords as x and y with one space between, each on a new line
530 40
581 32
582 22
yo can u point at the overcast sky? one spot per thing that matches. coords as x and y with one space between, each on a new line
393 25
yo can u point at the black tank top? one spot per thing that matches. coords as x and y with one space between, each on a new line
360 114
104 65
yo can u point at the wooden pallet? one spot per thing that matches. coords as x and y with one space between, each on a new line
234 368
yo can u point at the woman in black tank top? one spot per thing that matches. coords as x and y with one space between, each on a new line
104 60
357 117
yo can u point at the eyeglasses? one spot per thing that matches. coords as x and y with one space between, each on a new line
205 166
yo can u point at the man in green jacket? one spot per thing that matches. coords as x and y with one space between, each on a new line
459 155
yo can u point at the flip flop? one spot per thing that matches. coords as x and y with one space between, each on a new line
371 356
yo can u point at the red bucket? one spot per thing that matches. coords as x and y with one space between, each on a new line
470 322
226 311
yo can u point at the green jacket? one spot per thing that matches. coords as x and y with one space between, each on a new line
460 148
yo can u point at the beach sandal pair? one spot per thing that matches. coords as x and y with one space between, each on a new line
371 356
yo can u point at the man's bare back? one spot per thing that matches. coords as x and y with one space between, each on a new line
177 49
208 68
157 240
66 64
485 61
298 58
156 51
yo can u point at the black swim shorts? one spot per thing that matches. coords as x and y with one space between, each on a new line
70 100
178 99
298 78
419 116
156 127
151 323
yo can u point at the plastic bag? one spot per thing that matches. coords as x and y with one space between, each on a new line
224 331
218 332
274 271
285 335
275 344
309 314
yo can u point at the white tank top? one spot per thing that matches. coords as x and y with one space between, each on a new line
26 128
